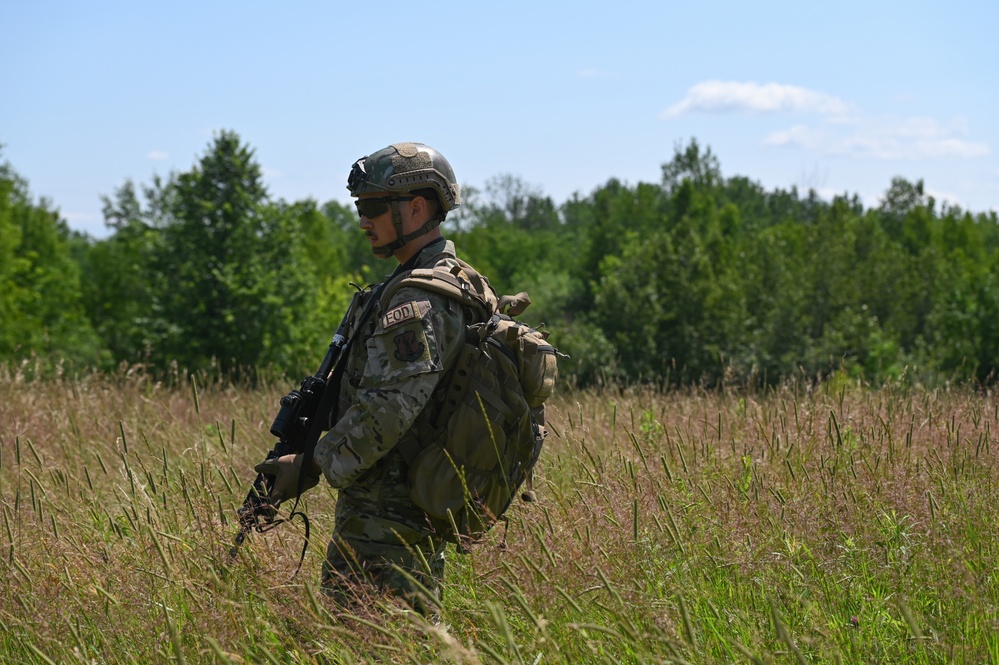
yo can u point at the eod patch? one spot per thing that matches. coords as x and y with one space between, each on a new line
410 342
407 311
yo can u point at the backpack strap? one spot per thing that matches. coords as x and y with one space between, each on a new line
460 282
463 284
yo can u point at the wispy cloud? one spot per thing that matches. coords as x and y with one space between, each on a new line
807 137
946 197
157 155
831 125
951 148
752 97
884 138
270 173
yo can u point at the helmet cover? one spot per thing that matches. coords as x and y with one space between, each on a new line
405 167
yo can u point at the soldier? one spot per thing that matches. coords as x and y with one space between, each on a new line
396 358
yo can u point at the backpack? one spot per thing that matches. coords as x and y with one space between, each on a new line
482 433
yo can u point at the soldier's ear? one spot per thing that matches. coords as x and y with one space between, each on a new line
419 207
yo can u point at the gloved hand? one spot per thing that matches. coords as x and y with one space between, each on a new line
285 470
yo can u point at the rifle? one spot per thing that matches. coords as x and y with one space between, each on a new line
297 426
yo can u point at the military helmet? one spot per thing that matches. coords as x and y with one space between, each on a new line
402 168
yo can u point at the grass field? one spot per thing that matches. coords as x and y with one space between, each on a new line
827 523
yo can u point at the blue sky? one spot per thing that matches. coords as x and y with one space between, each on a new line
839 97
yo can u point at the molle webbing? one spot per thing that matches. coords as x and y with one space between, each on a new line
465 285
462 283
481 433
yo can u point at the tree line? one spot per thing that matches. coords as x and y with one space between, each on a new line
698 278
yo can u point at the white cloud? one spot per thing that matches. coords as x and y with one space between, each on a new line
270 173
951 148
735 96
157 155
840 128
806 137
883 138
945 197
920 127
910 138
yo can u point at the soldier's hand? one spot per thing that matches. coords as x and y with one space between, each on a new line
285 470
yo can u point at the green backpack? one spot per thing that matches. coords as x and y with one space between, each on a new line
486 422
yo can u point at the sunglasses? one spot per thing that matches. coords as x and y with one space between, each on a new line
372 208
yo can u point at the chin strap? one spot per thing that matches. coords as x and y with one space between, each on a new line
387 250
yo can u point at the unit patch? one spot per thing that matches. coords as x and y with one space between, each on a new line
408 347
404 312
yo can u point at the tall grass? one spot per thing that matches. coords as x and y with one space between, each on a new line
810 523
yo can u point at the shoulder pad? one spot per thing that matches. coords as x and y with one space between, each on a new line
458 281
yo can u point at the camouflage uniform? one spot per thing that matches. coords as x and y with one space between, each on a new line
396 359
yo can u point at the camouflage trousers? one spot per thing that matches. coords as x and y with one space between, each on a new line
356 571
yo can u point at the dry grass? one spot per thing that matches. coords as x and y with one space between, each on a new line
810 523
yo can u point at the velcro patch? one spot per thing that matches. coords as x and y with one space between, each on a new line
404 312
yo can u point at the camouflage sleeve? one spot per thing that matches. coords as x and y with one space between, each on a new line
412 343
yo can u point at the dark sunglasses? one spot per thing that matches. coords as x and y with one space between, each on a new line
372 208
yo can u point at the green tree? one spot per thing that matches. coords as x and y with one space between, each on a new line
209 272
513 234
229 277
690 163
40 292
118 289
16 329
